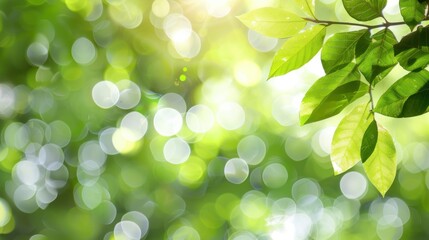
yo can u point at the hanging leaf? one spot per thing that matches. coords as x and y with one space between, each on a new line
378 60
381 165
331 94
347 140
307 6
369 141
364 10
407 97
298 50
413 11
273 22
339 50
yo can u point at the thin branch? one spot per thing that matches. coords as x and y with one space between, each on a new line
326 22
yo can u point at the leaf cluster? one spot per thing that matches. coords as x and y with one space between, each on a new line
354 63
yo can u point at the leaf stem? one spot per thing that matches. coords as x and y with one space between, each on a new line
327 22
371 99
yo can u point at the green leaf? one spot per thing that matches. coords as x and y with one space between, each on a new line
273 22
339 50
413 59
418 39
407 97
381 165
364 10
347 140
298 50
307 6
331 94
369 141
413 11
378 59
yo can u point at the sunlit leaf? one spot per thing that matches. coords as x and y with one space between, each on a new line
331 94
378 59
407 97
298 50
381 165
307 6
340 49
369 141
347 140
364 10
273 22
413 11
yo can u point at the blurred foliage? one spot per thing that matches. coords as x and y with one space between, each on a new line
125 119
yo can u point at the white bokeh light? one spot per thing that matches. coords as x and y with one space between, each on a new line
177 27
236 170
135 126
129 94
105 94
230 115
251 149
168 121
200 118
353 185
176 151
83 51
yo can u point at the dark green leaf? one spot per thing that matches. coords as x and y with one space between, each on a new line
378 59
273 22
298 50
331 94
381 165
413 11
364 10
407 97
339 50
418 39
369 141
413 59
347 140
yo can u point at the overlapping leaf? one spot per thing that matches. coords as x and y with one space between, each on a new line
412 51
307 6
378 60
381 165
298 50
331 94
418 39
364 10
413 11
339 50
407 97
347 140
369 141
273 22
413 59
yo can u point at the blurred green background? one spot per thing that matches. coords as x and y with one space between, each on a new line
131 119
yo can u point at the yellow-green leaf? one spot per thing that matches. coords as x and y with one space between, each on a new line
273 22
298 50
307 6
381 165
347 140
